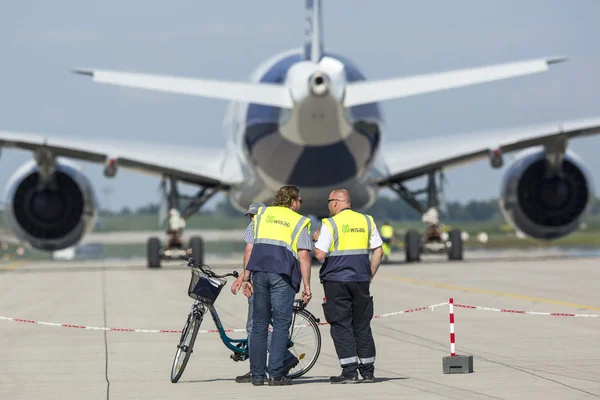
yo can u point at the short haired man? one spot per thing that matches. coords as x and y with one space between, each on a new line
344 241
279 260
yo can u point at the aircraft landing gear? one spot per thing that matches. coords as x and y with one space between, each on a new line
412 246
434 241
153 252
455 249
173 249
174 246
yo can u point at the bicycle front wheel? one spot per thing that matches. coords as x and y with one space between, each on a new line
306 342
185 346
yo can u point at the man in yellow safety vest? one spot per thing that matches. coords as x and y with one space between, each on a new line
344 241
279 260
387 236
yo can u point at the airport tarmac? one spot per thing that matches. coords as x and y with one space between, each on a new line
137 237
516 356
133 237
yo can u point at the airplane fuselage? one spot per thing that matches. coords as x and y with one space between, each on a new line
317 145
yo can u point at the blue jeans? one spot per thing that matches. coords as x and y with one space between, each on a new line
288 354
273 300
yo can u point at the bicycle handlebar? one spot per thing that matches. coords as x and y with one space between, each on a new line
193 263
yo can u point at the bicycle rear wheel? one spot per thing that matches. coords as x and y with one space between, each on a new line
185 346
306 338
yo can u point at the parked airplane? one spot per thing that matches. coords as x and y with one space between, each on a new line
307 117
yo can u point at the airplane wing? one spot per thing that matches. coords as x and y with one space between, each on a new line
364 92
412 159
195 165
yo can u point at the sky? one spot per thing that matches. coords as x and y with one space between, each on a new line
41 41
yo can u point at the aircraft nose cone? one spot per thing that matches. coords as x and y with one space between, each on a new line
319 83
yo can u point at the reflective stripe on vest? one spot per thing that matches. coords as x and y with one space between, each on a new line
278 230
348 256
275 228
335 244
276 234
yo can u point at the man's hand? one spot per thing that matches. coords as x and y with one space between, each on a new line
248 289
237 284
305 271
306 295
315 235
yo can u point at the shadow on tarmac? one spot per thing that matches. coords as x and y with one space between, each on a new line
297 381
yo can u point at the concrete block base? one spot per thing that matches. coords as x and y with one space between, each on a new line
457 364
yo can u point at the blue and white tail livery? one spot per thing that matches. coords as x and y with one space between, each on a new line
313 47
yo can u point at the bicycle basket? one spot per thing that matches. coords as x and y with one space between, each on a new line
203 288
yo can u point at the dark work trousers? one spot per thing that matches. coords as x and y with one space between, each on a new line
348 309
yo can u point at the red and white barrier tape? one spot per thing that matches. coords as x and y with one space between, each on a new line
527 312
432 307
98 328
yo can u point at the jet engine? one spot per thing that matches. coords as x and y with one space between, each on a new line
50 214
544 204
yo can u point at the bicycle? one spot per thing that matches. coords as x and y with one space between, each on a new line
205 286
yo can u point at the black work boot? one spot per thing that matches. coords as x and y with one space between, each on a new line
280 382
246 378
367 373
258 382
368 378
343 379
289 364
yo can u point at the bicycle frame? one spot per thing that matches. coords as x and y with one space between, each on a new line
200 309
231 343
227 341
239 347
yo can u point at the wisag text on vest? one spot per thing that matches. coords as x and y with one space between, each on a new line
347 229
271 220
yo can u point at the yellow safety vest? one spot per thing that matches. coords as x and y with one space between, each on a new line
387 231
275 249
348 255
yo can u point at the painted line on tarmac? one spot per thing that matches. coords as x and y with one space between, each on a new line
490 292
12 265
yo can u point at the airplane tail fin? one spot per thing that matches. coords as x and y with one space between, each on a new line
313 33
